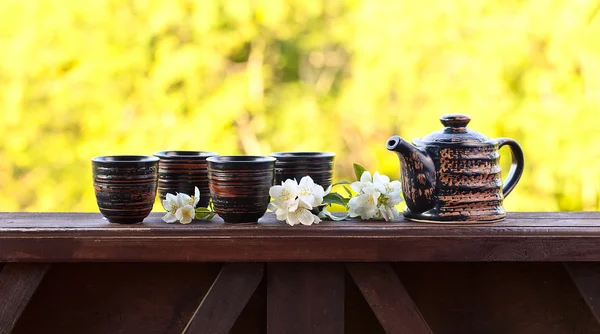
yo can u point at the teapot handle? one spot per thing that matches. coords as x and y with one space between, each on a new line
516 167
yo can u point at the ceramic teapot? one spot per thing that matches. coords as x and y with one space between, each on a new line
454 174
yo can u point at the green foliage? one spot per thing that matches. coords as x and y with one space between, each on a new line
358 171
85 78
335 198
204 213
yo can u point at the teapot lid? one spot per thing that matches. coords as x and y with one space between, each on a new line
455 132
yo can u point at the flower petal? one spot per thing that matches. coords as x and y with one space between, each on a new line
366 177
292 218
356 186
306 217
179 213
318 194
281 214
294 206
291 186
186 214
196 196
306 182
184 199
275 191
378 178
307 201
172 199
169 218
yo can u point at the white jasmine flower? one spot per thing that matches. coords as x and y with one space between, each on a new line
285 194
365 203
365 181
377 197
390 190
388 212
310 193
185 214
171 204
292 202
300 214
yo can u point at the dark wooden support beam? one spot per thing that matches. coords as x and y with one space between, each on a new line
18 282
226 298
586 277
389 300
305 298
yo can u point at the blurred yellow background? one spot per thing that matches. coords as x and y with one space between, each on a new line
99 77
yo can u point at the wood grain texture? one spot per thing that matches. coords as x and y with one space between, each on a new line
18 283
497 298
305 298
119 298
586 277
226 298
160 298
77 237
389 300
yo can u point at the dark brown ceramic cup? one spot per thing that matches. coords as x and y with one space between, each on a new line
296 165
239 186
125 187
181 171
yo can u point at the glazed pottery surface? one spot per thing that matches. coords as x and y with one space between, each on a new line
181 171
296 165
454 174
125 186
239 186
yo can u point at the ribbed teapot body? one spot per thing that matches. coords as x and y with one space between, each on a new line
468 182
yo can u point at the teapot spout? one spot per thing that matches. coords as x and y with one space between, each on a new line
417 173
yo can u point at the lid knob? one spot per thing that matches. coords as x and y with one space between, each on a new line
455 120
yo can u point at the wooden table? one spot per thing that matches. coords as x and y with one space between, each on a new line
76 273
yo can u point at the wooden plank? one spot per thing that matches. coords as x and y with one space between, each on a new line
305 298
490 298
93 221
103 298
496 297
300 249
226 298
586 277
18 282
80 237
388 298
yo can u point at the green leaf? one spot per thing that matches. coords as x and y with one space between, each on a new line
358 171
329 215
203 210
334 198
348 191
204 213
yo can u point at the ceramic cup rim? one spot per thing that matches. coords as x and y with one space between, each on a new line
243 159
124 159
183 154
302 154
